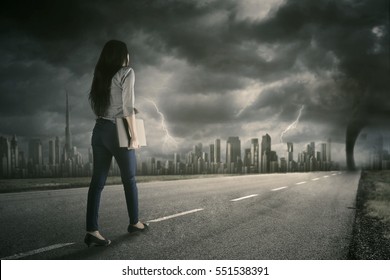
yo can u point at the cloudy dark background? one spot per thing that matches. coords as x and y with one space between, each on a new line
214 68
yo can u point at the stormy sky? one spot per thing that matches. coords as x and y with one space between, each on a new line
214 68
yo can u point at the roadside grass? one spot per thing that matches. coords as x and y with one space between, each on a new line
371 230
377 204
18 185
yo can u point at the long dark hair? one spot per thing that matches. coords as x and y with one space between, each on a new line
113 55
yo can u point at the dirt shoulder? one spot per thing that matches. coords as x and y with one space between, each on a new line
41 184
371 232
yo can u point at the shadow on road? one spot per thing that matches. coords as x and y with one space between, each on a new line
81 252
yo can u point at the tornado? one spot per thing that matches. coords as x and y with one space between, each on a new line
354 128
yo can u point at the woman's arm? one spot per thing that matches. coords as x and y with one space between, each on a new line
128 108
133 132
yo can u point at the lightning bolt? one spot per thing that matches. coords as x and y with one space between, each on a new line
168 139
293 125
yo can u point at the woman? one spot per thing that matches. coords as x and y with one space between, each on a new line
112 96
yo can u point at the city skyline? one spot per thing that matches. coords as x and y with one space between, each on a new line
257 158
61 166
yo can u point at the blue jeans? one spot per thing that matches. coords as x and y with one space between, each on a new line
105 146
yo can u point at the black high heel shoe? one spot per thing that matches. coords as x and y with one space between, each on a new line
131 228
89 239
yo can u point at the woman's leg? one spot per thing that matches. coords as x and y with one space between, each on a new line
126 160
101 164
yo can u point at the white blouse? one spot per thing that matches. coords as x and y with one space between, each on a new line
122 94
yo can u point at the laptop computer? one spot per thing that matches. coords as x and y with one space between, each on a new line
124 133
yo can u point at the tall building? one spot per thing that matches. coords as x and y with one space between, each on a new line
217 151
247 158
57 151
254 155
273 160
318 156
22 160
5 157
198 150
311 151
151 167
68 149
176 163
35 152
283 165
52 152
14 155
290 150
205 157
233 150
265 153
212 154
323 152
329 158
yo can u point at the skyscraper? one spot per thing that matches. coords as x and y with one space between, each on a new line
68 137
290 150
176 163
35 152
323 152
52 153
14 155
283 164
311 150
254 155
212 153
5 157
265 153
247 158
217 151
57 151
233 150
329 150
198 151
273 161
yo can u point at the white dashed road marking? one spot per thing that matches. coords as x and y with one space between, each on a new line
315 179
281 188
37 251
244 197
300 183
175 215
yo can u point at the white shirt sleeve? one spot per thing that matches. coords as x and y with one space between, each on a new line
128 93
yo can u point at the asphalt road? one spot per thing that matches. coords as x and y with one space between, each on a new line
276 216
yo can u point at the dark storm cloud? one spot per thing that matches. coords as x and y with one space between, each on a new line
205 109
23 84
349 38
197 80
330 56
347 29
206 35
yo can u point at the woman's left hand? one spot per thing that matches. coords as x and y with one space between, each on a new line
133 144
